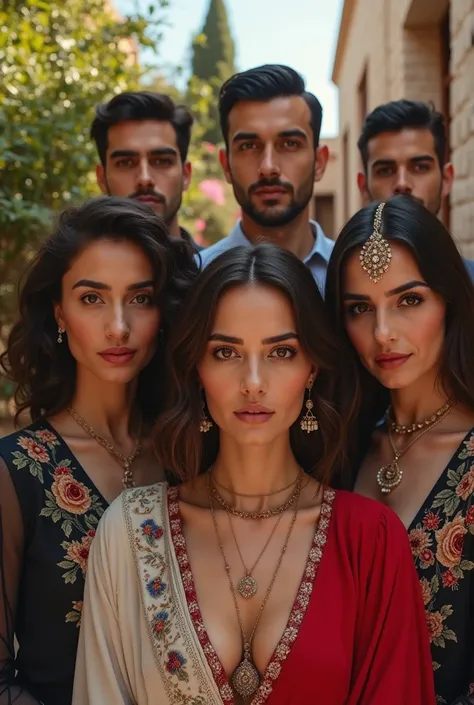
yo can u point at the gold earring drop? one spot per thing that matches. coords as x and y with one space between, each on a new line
206 424
309 422
60 334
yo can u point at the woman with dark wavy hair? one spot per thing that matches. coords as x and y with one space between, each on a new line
252 581
96 308
400 291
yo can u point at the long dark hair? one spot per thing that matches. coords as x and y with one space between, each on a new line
181 448
406 221
45 372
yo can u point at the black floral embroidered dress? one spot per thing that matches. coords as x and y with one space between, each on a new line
442 543
49 515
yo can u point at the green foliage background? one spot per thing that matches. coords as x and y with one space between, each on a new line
58 59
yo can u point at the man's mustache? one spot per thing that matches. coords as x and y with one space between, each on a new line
149 193
269 183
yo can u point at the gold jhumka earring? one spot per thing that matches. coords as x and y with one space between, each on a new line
309 422
206 424
376 254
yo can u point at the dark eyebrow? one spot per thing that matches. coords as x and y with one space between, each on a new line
383 162
90 284
141 285
422 158
404 287
266 341
280 338
239 136
226 339
398 290
295 132
123 153
158 151
389 162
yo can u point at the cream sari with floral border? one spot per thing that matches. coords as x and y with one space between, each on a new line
138 644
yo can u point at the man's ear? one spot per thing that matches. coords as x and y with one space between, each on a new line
100 175
448 178
322 158
187 173
224 162
363 188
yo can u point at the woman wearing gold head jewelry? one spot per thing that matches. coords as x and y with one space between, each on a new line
400 291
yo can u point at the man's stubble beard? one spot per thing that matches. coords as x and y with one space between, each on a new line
281 218
168 210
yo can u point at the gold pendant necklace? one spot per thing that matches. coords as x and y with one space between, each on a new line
247 586
125 460
245 678
390 476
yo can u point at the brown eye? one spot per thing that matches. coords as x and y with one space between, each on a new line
90 299
284 352
223 353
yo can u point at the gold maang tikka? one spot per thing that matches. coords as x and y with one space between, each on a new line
376 254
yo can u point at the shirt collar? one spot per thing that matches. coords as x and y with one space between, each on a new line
322 245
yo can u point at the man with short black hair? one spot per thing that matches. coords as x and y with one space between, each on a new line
142 139
403 148
272 158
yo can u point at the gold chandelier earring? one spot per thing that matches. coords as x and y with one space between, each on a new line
206 423
309 422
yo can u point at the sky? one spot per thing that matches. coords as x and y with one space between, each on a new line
299 33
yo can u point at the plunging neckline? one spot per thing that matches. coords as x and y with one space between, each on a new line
296 615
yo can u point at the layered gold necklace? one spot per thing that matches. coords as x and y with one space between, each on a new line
390 476
245 678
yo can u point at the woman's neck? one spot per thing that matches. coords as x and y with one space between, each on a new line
258 470
417 402
106 406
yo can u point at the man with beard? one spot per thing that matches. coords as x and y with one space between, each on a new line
403 151
142 139
272 158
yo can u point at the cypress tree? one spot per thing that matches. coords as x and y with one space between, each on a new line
213 58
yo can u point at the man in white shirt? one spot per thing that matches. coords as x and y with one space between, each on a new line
272 158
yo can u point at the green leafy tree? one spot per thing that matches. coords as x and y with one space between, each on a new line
58 59
213 58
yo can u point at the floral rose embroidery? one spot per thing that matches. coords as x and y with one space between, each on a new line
34 449
61 470
76 613
427 558
71 495
47 437
470 516
449 580
469 446
466 486
78 551
450 540
160 623
175 663
419 541
431 521
434 621
425 590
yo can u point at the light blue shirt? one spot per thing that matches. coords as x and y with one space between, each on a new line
317 260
